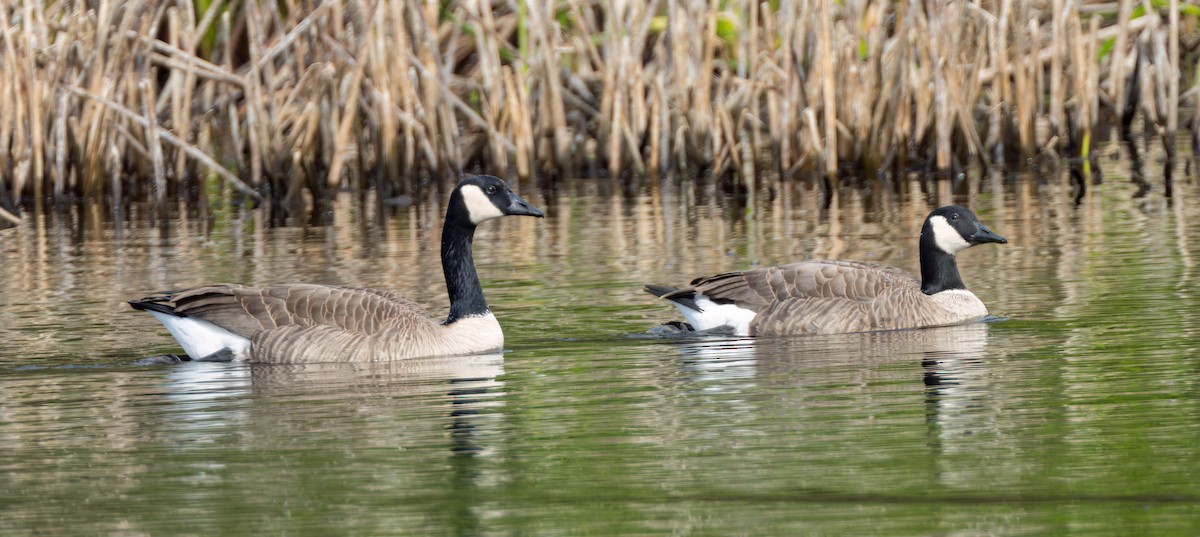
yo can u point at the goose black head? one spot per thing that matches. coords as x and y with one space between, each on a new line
483 197
953 229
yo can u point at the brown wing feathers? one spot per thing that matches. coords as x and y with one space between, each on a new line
743 288
809 296
246 310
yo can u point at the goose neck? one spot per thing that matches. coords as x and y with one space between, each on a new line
939 270
458 266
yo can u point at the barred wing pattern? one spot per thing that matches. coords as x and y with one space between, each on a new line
825 297
246 310
299 323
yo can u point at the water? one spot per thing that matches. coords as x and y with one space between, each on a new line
1077 415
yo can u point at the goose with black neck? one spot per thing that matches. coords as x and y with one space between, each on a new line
301 323
829 297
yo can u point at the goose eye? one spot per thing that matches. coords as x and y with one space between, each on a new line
954 216
491 189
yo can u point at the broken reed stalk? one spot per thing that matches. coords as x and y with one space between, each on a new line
10 217
287 99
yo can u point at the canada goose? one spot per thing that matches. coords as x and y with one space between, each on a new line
831 297
299 323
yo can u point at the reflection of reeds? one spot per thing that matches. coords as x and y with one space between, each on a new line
289 100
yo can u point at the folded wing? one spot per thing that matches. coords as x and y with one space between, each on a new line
818 297
247 310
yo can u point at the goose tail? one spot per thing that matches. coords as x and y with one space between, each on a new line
200 339
703 313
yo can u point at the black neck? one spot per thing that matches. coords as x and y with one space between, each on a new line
939 270
462 282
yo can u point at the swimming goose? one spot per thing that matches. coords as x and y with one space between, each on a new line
300 323
831 297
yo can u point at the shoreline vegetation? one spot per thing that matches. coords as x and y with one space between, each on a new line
285 102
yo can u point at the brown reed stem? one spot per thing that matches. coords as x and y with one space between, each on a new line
153 145
1058 44
349 117
173 140
1173 72
828 90
404 91
60 145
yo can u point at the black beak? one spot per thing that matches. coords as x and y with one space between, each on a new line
520 207
985 235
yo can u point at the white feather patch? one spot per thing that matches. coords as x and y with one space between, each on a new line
479 206
202 338
946 237
716 315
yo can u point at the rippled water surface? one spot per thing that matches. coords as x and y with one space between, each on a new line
1075 414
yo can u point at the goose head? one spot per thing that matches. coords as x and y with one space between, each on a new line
479 198
954 228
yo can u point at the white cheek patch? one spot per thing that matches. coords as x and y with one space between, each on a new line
946 237
479 207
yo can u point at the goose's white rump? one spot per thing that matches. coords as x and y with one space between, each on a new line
201 339
711 316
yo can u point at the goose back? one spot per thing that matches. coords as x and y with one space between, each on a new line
826 297
245 310
297 323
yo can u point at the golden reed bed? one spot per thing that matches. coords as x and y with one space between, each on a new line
286 100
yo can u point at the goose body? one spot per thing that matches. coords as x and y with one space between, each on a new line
830 297
302 323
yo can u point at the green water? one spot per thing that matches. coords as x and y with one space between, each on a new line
1078 415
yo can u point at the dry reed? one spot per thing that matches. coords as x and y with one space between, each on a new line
289 100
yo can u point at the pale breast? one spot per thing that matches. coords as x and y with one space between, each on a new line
960 306
476 334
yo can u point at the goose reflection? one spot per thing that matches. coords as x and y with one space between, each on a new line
865 394
410 377
422 428
793 358
950 362
955 374
206 398
711 359
468 384
962 408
